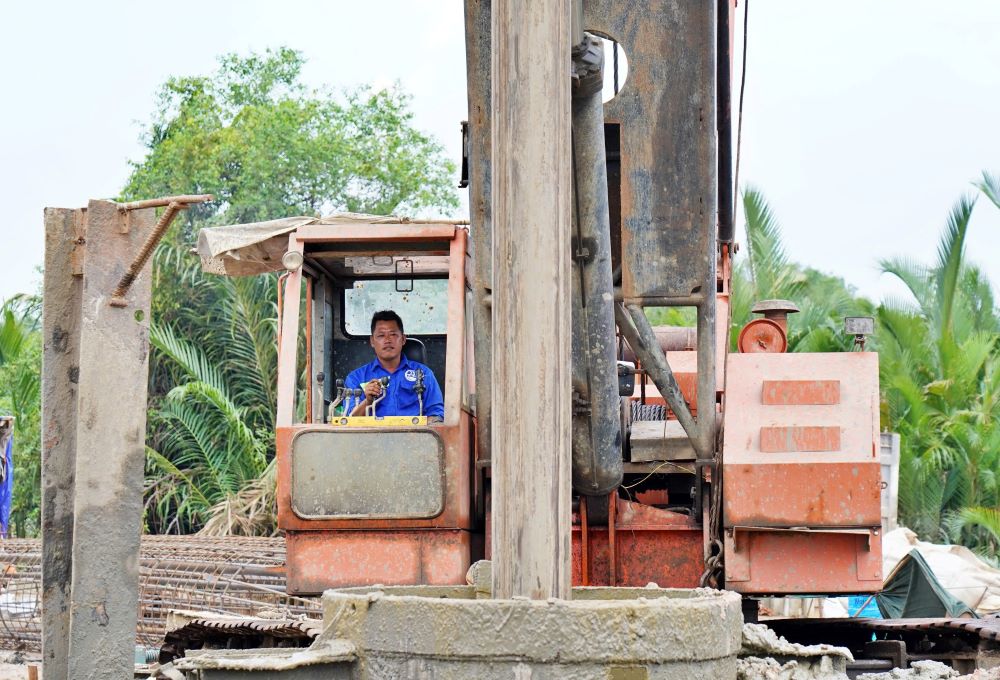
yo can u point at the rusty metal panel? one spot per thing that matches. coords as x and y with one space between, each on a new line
318 560
776 482
650 546
813 495
786 439
666 111
353 474
759 563
670 557
802 392
457 513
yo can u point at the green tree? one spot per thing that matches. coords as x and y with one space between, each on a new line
253 136
20 396
940 374
212 433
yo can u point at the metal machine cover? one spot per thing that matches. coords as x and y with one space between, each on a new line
367 473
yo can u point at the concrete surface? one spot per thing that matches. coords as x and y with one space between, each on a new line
601 633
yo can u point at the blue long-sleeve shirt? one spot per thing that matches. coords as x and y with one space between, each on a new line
400 399
7 486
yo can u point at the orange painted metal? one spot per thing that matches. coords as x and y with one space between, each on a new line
318 560
309 354
812 495
788 438
801 476
650 546
800 562
457 513
762 335
584 544
800 392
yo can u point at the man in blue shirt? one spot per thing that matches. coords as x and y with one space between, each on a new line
387 339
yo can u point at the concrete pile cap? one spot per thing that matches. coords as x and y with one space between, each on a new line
602 625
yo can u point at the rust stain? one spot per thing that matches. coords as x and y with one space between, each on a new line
800 392
799 438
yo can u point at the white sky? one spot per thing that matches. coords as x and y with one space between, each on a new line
863 120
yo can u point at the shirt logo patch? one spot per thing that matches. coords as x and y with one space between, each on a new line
410 375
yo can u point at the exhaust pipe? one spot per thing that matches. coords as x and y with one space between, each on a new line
597 437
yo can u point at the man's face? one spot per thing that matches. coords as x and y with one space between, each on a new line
387 340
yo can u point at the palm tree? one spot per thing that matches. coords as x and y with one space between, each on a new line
940 373
212 422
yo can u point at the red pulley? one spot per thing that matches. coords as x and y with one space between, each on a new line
762 335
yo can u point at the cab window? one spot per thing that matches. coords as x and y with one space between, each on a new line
424 309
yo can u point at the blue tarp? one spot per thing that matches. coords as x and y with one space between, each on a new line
6 485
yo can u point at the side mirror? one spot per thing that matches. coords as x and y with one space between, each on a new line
626 378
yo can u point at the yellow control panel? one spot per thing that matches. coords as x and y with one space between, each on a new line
378 421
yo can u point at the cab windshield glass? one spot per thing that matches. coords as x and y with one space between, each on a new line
424 309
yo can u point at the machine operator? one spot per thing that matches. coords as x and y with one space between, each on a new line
401 399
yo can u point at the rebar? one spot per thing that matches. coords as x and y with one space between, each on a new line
232 575
173 205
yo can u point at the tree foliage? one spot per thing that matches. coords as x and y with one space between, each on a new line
252 135
940 374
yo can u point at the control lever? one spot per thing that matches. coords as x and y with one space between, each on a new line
384 382
336 401
357 394
419 389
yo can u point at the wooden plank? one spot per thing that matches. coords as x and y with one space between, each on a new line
531 193
660 440
65 232
110 441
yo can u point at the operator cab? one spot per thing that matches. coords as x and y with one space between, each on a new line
354 288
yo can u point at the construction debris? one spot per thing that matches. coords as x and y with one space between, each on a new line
766 656
918 670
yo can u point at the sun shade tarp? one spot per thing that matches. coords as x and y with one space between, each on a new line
913 592
257 247
960 571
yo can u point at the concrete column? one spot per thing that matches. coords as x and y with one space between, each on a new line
110 444
65 239
531 191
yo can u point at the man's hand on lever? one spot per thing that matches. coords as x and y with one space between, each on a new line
372 389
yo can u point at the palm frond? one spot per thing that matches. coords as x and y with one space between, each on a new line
187 356
951 254
990 186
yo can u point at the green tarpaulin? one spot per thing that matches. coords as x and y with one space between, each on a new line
912 592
